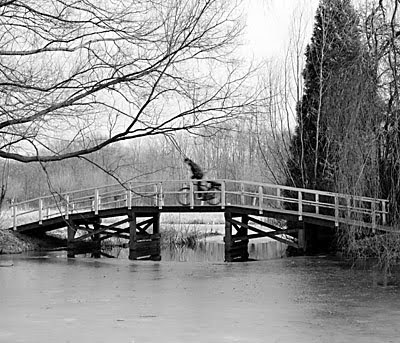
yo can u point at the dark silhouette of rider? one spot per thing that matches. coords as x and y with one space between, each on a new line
197 173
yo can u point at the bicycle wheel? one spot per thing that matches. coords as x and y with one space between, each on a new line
216 196
184 196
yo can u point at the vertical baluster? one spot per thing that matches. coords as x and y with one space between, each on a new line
348 201
67 206
300 204
14 214
96 201
40 210
384 212
223 194
242 194
278 194
129 197
191 195
336 210
160 195
373 218
155 197
260 199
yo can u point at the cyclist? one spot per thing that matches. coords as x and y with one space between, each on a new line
197 173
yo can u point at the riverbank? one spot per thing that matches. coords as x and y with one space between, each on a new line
14 243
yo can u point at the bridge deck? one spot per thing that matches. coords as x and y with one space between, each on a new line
268 200
243 203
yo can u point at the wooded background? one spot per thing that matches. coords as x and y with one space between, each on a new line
100 92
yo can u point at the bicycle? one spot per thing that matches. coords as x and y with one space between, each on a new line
209 192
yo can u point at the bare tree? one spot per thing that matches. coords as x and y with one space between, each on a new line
382 28
74 71
283 84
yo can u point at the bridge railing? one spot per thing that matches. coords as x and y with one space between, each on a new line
338 208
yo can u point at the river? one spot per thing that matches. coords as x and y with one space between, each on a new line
49 298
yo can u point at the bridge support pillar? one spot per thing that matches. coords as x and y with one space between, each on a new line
75 245
96 240
301 237
71 231
144 244
236 245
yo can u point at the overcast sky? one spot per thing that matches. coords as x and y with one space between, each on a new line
269 21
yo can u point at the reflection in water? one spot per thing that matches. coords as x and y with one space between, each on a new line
55 299
206 251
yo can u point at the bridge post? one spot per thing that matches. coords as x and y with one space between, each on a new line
383 212
156 238
132 235
142 244
96 202
242 198
96 240
40 211
67 206
243 238
228 236
301 237
300 204
71 231
129 197
223 194
236 246
14 214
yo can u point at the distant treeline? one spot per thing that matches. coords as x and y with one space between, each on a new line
231 152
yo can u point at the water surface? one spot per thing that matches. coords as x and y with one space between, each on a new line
50 298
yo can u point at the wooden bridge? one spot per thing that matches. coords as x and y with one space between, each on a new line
251 210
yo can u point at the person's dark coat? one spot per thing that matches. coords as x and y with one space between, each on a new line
197 173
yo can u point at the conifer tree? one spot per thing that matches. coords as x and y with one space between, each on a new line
334 76
333 146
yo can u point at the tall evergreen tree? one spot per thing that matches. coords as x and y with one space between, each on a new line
334 77
333 146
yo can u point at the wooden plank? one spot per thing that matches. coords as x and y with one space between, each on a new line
146 223
142 245
141 236
119 230
111 234
247 226
90 234
272 235
113 225
248 237
268 225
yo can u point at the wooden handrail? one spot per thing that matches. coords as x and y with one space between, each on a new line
269 196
